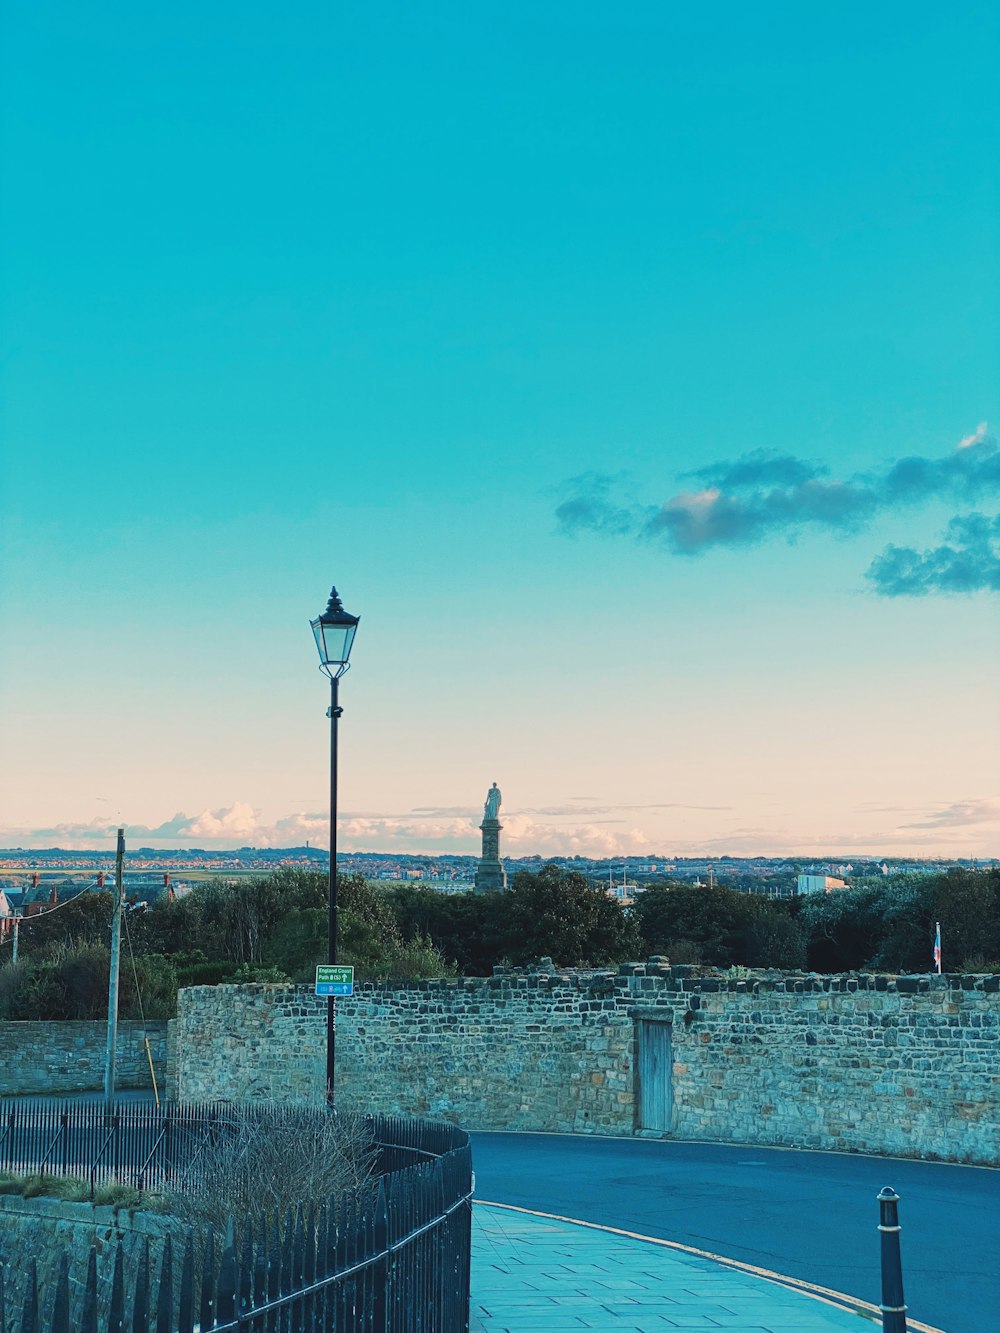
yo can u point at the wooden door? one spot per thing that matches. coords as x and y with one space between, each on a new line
656 1062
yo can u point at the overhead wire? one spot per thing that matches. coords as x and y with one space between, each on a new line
40 916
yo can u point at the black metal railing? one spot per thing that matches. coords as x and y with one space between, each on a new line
392 1256
130 1143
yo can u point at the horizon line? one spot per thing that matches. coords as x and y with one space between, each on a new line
323 853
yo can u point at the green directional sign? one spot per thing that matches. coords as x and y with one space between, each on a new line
332 979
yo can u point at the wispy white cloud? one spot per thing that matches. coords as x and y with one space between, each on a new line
969 827
428 829
962 814
786 842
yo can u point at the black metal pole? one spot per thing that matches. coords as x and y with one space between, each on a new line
893 1306
331 946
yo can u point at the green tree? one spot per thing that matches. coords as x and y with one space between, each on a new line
560 914
775 939
466 928
368 937
83 920
967 903
711 922
72 984
299 942
881 924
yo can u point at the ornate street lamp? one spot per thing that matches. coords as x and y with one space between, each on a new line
334 631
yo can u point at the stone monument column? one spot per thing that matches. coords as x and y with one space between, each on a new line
490 874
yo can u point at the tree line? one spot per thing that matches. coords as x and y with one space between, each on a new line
274 928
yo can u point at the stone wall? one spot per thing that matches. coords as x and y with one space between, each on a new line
169 1089
45 1059
45 1229
905 1065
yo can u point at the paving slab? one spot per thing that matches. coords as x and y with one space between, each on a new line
535 1275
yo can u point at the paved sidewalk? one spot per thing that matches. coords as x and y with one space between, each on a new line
533 1275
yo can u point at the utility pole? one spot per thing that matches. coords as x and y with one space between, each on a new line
16 923
116 953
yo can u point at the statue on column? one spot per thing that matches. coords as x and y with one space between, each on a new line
491 877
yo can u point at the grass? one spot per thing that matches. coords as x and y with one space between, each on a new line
73 1189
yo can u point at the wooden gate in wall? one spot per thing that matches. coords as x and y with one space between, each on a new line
655 1070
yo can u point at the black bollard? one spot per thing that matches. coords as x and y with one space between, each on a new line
893 1306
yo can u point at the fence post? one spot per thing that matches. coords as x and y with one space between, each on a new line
893 1306
64 1131
88 1310
59 1323
29 1313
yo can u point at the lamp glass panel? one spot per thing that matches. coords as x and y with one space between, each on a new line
334 641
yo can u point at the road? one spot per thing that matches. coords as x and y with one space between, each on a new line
808 1215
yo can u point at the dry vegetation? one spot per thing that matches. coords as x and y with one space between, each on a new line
267 1158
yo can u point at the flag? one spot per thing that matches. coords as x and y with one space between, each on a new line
937 947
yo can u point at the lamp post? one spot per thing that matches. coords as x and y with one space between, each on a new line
334 631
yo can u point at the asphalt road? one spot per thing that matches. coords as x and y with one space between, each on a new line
808 1215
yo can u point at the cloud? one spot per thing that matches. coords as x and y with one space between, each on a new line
526 836
428 830
594 811
445 811
901 841
713 517
758 468
96 832
762 494
962 814
979 436
590 506
968 561
237 822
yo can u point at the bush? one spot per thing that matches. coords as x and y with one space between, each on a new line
72 984
70 1188
888 923
369 938
266 1158
467 929
82 972
113 1195
775 940
712 920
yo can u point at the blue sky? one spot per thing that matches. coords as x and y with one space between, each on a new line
369 296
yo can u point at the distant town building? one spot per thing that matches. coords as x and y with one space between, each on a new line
819 883
6 915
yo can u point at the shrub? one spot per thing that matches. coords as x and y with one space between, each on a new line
113 1195
715 921
775 940
71 1188
263 1159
